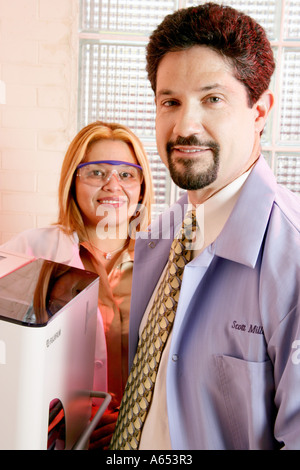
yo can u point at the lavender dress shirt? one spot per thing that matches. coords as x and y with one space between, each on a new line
233 373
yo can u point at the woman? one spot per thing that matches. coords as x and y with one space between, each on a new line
105 196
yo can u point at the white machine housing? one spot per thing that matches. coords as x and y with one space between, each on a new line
41 361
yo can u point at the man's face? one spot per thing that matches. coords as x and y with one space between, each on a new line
205 128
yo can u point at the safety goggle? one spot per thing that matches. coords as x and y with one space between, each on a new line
98 173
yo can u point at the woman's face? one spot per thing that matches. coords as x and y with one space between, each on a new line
108 207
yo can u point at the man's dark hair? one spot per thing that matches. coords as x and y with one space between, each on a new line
234 35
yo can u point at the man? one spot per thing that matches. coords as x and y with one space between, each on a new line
229 374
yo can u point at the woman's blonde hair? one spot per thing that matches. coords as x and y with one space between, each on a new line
69 217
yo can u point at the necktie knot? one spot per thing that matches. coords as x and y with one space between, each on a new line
189 224
183 243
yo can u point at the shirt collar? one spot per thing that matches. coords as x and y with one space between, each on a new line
242 236
212 215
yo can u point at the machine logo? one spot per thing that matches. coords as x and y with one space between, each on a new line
2 352
53 338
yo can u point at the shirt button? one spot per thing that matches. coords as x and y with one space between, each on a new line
98 364
152 244
175 357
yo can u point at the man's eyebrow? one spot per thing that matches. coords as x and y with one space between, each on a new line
169 92
165 93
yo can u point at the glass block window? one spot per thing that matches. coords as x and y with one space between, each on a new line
292 23
161 181
113 84
124 15
290 96
288 171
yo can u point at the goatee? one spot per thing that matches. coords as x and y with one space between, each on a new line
184 171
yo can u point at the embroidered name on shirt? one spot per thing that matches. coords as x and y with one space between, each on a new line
256 329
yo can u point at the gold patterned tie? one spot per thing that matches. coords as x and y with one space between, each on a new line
140 385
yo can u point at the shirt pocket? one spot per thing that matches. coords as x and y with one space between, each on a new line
247 392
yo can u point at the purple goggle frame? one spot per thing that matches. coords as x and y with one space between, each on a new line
110 162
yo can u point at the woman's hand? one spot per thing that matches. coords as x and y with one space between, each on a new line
102 435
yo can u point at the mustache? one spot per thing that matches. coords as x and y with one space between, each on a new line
191 141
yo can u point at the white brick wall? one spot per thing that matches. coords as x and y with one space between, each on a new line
38 64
